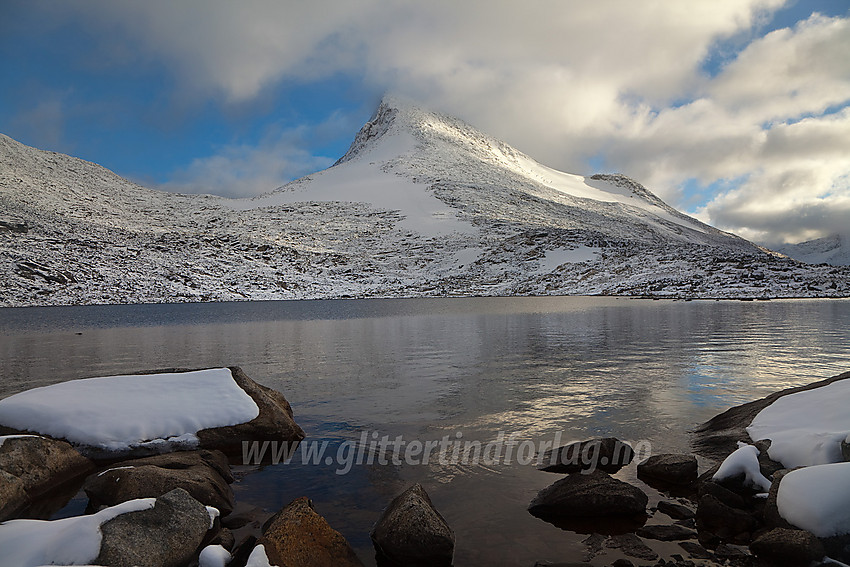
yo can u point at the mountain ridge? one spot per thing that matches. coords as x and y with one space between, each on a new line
421 204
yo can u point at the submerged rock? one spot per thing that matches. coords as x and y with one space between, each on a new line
589 495
31 466
608 454
205 475
167 535
669 468
297 536
412 532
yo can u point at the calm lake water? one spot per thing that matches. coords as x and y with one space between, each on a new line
577 367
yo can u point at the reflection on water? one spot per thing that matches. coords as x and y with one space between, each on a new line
583 367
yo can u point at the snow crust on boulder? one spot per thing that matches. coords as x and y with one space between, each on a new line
806 428
817 499
119 413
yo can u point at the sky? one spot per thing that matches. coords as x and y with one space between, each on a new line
735 111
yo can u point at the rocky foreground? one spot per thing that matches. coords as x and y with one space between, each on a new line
177 509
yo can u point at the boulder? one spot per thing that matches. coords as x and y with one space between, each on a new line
718 522
274 423
167 535
33 466
772 518
723 494
666 532
412 532
719 436
845 449
791 548
299 537
589 495
608 454
13 495
695 550
203 474
668 468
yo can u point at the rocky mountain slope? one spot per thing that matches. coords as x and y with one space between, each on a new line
421 204
833 249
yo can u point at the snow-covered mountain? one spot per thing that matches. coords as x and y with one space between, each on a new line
833 250
421 204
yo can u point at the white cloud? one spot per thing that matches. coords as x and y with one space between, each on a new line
561 80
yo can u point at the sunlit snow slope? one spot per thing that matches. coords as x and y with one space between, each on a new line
421 204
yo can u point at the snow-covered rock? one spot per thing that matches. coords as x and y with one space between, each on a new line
806 428
817 499
421 204
153 413
743 463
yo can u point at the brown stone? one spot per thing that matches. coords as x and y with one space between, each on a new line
299 537
203 474
791 548
41 465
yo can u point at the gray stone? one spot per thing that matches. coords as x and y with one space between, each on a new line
589 495
299 537
719 522
669 468
167 535
41 465
695 550
675 511
608 454
771 516
631 545
412 532
203 474
781 546
666 532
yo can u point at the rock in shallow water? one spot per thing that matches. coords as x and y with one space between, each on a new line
589 495
668 468
412 533
297 536
31 465
608 454
203 474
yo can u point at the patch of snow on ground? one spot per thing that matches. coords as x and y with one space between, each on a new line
806 428
117 413
744 461
69 541
817 499
554 258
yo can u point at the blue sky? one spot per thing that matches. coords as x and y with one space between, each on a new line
733 110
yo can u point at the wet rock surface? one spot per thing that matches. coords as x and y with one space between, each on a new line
412 532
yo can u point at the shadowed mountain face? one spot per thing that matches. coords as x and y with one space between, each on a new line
421 204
